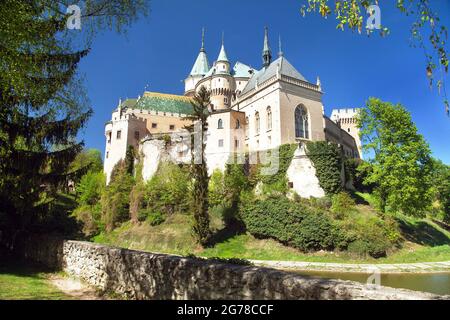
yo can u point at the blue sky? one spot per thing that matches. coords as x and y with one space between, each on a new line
159 51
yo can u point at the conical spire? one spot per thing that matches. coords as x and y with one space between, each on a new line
223 54
267 53
201 65
280 50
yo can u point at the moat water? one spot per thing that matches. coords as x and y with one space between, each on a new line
438 283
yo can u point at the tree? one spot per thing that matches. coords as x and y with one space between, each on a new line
427 25
90 159
199 171
401 163
441 183
42 103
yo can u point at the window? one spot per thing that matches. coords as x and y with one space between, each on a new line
225 100
301 122
238 124
247 127
136 135
220 143
154 125
257 122
107 154
236 143
119 135
109 137
172 127
269 118
348 129
220 124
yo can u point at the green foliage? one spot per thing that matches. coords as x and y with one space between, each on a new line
216 190
155 218
352 13
130 159
441 186
342 204
288 222
199 171
401 168
90 188
367 235
91 159
168 189
283 155
326 158
115 199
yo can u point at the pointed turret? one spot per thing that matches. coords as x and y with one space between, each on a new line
223 54
201 65
200 68
267 53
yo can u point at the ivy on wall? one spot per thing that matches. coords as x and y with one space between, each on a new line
326 158
286 153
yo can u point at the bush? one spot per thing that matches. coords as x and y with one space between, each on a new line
342 204
90 188
288 222
168 190
156 218
326 158
368 235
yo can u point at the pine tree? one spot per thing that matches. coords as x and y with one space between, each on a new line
199 170
42 106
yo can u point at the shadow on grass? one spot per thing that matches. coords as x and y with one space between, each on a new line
226 233
422 233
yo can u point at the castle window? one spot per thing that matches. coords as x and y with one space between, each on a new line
220 143
225 100
119 135
107 154
257 123
236 143
247 127
172 127
348 129
238 124
136 135
269 118
109 137
154 125
220 124
301 122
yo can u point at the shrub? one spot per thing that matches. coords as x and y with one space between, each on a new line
288 222
342 204
326 158
285 155
168 189
115 198
323 203
89 216
156 218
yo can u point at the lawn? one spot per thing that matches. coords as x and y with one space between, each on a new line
425 241
19 282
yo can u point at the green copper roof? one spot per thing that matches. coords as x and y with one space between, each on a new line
128 103
164 103
201 65
222 54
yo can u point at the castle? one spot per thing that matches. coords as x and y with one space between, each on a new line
251 110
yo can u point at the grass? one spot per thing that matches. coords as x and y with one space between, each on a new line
19 282
425 241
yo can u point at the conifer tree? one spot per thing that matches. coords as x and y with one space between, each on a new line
42 105
199 170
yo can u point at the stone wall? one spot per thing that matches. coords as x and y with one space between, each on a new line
142 275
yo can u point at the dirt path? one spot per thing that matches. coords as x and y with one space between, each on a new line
74 288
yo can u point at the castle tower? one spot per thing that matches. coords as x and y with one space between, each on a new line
222 84
347 119
200 68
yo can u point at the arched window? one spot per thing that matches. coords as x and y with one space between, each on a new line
257 122
301 122
220 124
247 127
238 124
269 118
